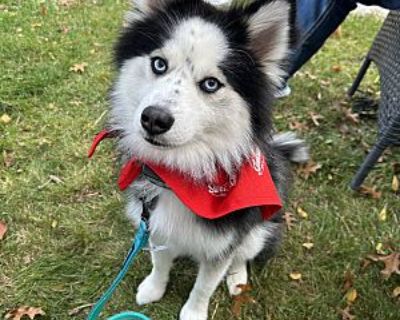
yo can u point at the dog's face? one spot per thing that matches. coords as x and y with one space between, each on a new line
194 81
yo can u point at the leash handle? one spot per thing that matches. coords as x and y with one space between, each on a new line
141 239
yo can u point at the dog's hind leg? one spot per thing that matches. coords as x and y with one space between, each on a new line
152 288
209 277
237 276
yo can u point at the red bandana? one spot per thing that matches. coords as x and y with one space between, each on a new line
252 187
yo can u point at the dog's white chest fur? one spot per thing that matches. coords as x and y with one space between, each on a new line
173 225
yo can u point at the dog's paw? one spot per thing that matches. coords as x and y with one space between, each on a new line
189 313
150 291
236 280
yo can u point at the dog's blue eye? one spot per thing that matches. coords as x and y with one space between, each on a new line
210 85
159 65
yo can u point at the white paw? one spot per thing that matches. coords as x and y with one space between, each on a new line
236 280
189 313
150 291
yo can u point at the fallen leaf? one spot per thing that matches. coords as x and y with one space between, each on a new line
345 313
79 67
354 118
391 261
8 159
371 192
395 184
336 68
315 117
295 276
382 216
5 118
351 295
308 245
396 292
55 179
305 170
3 230
242 299
77 310
379 248
348 281
290 220
31 312
299 126
338 32
302 213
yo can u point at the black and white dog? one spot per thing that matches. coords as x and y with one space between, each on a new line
193 93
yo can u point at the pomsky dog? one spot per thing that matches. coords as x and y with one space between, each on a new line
193 93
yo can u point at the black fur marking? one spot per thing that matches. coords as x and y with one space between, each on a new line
243 72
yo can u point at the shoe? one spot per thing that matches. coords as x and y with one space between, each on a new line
283 92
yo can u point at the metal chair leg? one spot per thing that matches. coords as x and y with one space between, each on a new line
367 165
361 73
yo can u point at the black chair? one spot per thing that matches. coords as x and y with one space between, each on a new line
385 53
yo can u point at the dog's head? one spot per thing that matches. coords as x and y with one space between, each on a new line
194 81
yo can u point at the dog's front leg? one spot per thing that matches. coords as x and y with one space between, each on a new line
152 288
210 275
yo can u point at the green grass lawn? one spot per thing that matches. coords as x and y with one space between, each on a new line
67 235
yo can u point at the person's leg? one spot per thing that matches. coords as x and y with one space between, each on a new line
316 21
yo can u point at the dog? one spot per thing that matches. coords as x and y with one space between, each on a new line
193 94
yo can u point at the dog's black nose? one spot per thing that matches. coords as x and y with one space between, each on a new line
156 120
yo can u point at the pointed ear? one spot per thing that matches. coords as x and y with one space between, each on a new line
269 29
142 8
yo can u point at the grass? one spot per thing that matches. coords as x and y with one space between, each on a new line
67 240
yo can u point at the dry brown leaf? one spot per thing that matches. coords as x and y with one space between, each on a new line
307 169
3 230
336 68
345 314
31 312
290 220
298 126
391 261
354 118
338 32
8 159
351 295
295 276
371 192
396 292
79 67
315 117
302 213
242 299
43 9
395 184
348 281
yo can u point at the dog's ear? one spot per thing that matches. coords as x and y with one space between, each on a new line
142 8
269 32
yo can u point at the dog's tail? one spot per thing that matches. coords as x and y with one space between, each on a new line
291 147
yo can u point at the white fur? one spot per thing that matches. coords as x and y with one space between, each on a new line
201 137
269 28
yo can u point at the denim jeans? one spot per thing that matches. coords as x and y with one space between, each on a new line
317 20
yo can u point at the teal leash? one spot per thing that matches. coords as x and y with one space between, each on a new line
141 239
